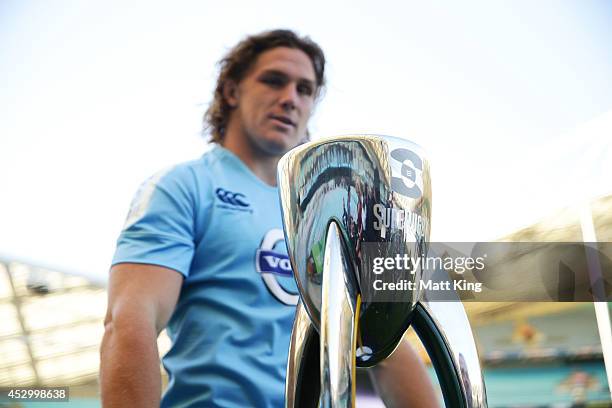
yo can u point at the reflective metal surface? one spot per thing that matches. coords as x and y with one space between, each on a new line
339 310
336 195
352 180
302 382
445 331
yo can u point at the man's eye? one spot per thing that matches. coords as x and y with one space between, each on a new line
273 81
305 90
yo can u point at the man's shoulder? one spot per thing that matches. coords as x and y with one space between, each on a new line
200 170
182 184
211 161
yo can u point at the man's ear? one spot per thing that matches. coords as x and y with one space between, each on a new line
230 93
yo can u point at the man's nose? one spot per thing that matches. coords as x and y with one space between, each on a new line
289 97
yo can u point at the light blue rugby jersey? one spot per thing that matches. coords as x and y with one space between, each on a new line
220 226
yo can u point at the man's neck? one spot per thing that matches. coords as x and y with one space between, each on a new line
262 165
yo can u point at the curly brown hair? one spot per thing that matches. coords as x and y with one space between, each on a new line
241 58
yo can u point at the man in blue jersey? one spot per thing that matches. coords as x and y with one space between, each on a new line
202 252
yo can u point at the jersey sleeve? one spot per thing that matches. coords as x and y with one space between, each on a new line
159 229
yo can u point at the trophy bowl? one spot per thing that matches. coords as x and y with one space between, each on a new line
362 183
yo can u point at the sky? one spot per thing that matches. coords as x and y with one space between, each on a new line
511 100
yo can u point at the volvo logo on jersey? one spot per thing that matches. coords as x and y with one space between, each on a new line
272 262
232 200
275 268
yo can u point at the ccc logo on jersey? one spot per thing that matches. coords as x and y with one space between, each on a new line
406 183
231 198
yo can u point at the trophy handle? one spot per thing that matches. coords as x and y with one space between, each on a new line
444 330
302 385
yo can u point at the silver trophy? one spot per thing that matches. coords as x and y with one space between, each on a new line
339 195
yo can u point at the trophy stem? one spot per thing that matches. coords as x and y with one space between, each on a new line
339 321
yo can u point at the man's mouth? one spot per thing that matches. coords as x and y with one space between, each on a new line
283 119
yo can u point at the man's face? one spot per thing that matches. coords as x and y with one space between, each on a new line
273 102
